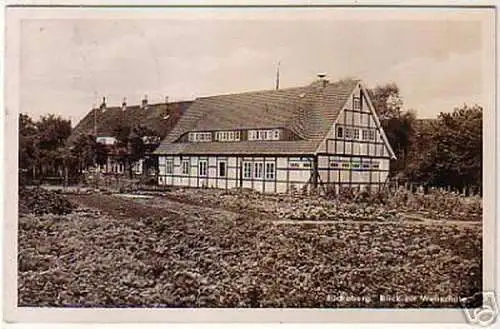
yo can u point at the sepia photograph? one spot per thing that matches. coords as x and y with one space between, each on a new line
253 158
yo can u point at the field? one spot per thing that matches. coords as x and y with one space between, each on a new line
205 248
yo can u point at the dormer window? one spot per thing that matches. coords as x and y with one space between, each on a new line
200 137
264 134
227 136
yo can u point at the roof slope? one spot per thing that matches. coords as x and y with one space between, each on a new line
153 116
307 111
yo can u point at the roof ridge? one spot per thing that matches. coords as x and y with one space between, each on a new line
255 92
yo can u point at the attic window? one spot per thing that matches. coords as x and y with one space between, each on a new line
200 137
227 136
273 134
356 103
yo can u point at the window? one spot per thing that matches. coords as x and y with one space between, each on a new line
334 164
169 167
340 132
356 102
273 134
371 134
202 168
223 136
270 170
348 133
375 164
258 170
306 165
276 134
222 169
364 134
355 133
247 170
346 164
368 134
366 165
200 137
185 167
294 165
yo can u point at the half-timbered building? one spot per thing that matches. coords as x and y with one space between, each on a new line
276 141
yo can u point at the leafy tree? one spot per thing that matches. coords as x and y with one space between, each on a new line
397 124
88 151
456 158
27 142
387 101
53 131
142 140
28 148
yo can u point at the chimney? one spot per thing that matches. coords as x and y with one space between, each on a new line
124 104
103 104
144 103
322 80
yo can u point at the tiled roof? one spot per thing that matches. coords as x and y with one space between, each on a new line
307 111
153 116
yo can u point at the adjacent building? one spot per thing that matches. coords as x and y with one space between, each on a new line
323 135
104 121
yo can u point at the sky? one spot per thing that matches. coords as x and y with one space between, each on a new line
68 65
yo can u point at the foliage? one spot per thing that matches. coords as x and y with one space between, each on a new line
138 141
27 142
397 124
42 144
449 151
443 152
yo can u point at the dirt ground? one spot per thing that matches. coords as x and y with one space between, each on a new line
118 251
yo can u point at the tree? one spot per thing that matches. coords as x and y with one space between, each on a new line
458 153
386 100
143 140
397 124
52 133
27 146
448 151
87 150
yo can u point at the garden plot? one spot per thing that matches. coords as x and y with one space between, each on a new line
117 252
382 207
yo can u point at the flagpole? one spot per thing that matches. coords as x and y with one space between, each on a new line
278 76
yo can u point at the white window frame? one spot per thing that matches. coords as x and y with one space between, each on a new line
200 137
270 174
203 168
169 166
356 133
356 103
185 167
258 170
247 170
